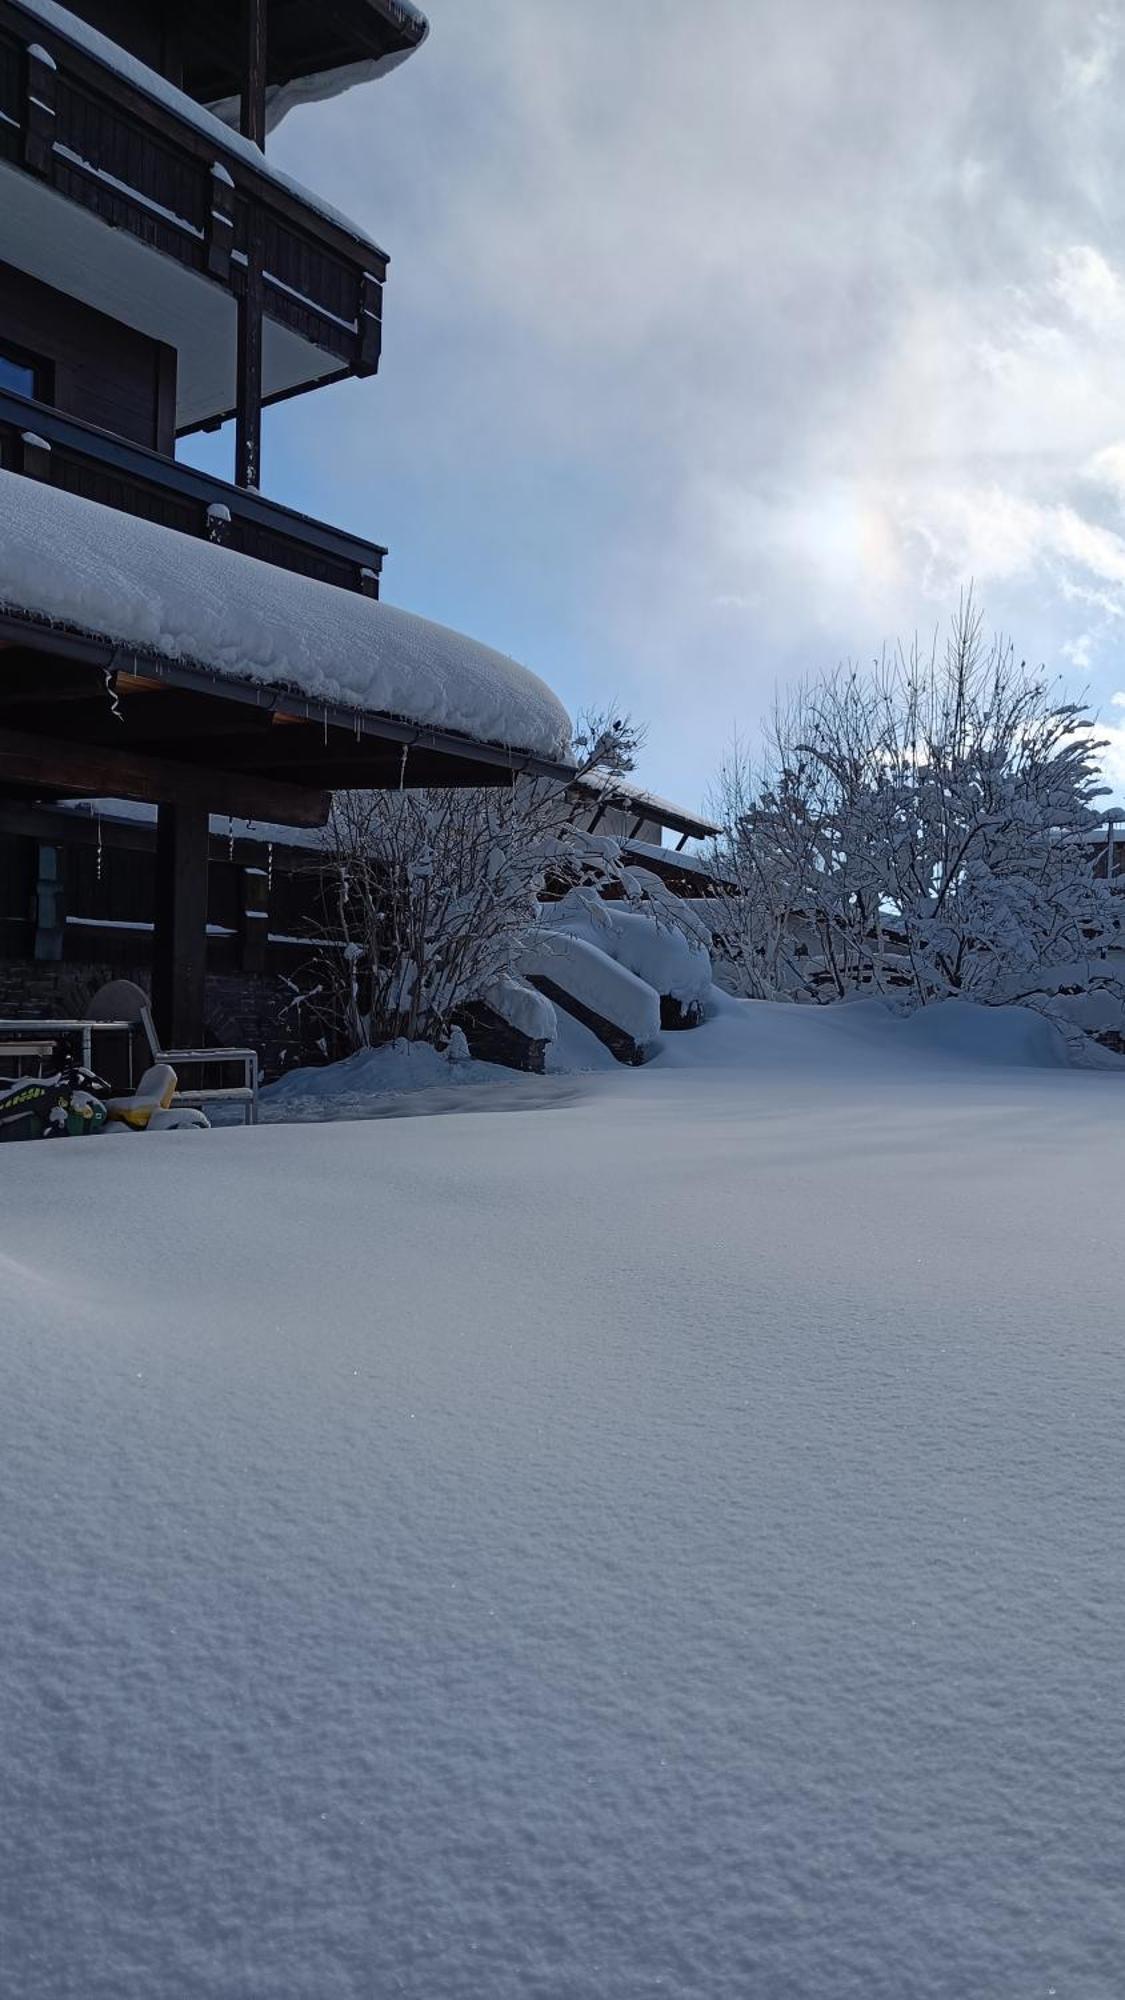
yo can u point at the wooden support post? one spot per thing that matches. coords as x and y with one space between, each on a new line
50 901
252 123
252 107
36 456
51 764
248 410
179 945
370 324
254 918
220 224
39 111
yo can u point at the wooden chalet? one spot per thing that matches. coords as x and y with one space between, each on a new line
165 636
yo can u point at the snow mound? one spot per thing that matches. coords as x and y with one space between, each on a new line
671 1548
1001 1037
135 583
399 1066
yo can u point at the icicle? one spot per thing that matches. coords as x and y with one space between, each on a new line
98 862
402 768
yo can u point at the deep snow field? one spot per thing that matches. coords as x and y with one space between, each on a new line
667 1538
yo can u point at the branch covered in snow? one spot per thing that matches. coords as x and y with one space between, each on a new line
918 832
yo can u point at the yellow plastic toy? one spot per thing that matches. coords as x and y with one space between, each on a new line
153 1093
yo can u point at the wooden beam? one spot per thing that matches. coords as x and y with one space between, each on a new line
179 943
252 102
26 679
48 764
251 299
248 408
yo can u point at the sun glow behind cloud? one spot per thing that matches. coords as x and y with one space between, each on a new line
724 342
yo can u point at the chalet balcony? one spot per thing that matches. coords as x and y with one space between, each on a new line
120 191
45 445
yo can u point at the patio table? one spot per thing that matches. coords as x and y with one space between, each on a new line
36 1030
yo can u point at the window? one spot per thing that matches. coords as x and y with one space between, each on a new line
23 372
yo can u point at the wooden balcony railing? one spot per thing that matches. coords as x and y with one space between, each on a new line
171 177
37 441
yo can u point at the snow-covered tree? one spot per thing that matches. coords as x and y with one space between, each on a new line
430 894
919 831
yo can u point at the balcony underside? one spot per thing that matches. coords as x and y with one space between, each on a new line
69 248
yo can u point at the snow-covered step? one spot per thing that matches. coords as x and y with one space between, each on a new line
667 957
620 1009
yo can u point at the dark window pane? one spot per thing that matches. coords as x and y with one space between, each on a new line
17 375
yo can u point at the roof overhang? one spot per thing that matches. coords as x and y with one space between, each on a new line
96 717
125 645
313 50
609 791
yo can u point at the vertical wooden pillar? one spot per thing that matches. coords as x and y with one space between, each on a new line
179 953
39 110
248 411
252 109
252 123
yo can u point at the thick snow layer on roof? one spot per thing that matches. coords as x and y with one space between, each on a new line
157 87
103 573
666 1545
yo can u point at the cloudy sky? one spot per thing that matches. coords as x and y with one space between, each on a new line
727 338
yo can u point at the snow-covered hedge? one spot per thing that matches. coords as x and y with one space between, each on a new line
663 957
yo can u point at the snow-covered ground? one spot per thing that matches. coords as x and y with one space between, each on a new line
664 1539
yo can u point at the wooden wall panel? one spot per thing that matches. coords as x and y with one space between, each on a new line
105 373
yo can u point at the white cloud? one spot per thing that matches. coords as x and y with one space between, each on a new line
731 340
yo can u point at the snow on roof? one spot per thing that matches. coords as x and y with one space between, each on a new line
77 564
112 57
616 790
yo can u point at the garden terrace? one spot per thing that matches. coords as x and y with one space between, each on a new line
103 163
78 458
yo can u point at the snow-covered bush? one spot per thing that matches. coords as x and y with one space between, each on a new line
919 832
430 894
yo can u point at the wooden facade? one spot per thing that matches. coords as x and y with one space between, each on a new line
45 443
85 131
157 277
